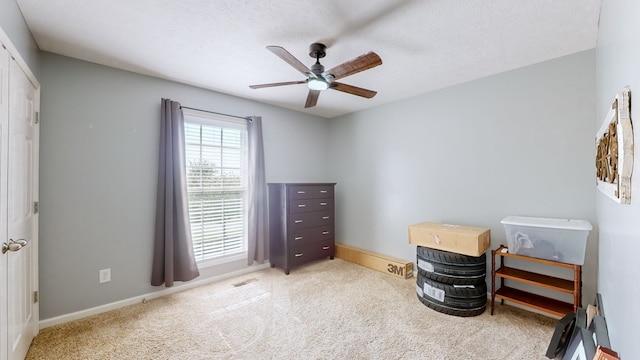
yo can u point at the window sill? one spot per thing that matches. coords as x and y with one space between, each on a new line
203 264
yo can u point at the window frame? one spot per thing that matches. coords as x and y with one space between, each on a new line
206 118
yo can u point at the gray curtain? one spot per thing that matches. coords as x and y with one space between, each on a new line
258 244
173 258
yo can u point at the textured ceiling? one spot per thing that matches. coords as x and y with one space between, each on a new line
220 45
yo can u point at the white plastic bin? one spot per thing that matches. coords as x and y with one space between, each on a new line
562 240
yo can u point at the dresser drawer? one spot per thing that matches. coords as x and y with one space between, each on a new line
307 236
319 250
306 205
299 221
310 191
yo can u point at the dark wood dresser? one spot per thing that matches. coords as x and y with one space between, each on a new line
301 223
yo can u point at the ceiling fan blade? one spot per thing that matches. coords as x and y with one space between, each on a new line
312 98
354 66
354 90
289 59
260 86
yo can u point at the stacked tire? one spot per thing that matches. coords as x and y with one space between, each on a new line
451 283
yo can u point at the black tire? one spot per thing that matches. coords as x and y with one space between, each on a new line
450 268
456 296
446 257
466 300
455 312
451 276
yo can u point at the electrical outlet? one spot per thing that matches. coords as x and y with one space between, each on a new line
105 275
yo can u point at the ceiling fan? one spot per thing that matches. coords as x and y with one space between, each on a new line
318 79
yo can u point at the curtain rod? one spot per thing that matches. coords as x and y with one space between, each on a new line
217 113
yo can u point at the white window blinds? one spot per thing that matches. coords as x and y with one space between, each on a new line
216 160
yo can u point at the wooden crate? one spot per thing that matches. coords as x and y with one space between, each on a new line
375 261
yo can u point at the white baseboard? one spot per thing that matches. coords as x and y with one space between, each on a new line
138 299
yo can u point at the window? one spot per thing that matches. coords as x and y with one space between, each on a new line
216 161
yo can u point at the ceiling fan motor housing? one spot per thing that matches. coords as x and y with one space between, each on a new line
317 68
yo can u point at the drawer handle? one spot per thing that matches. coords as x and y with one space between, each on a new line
302 205
297 221
301 192
298 254
325 217
323 204
325 248
298 238
323 191
325 233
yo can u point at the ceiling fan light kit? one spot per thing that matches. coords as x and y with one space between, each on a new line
317 84
318 79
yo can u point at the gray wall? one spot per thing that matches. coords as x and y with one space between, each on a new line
13 24
99 140
617 66
518 143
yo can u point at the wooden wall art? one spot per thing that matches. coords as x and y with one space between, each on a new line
614 151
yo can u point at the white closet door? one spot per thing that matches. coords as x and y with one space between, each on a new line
21 218
4 150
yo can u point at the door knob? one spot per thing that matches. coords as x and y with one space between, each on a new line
22 242
13 245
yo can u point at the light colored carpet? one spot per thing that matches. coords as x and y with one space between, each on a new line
329 309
